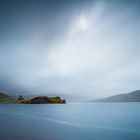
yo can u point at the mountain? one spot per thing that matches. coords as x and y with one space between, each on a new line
128 97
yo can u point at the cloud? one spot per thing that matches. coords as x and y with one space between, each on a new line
94 54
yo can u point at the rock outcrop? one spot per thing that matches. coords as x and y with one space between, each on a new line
21 99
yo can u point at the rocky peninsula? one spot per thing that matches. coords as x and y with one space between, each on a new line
5 99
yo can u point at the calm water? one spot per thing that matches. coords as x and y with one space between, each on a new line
96 121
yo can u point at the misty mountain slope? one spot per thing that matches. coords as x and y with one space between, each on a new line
3 96
129 97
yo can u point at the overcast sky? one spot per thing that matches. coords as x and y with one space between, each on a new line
89 48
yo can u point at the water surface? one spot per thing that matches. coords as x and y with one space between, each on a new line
82 121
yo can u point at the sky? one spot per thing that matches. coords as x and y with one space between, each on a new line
86 48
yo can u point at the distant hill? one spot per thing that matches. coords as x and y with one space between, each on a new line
129 97
3 96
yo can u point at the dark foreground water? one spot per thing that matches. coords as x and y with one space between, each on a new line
95 121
